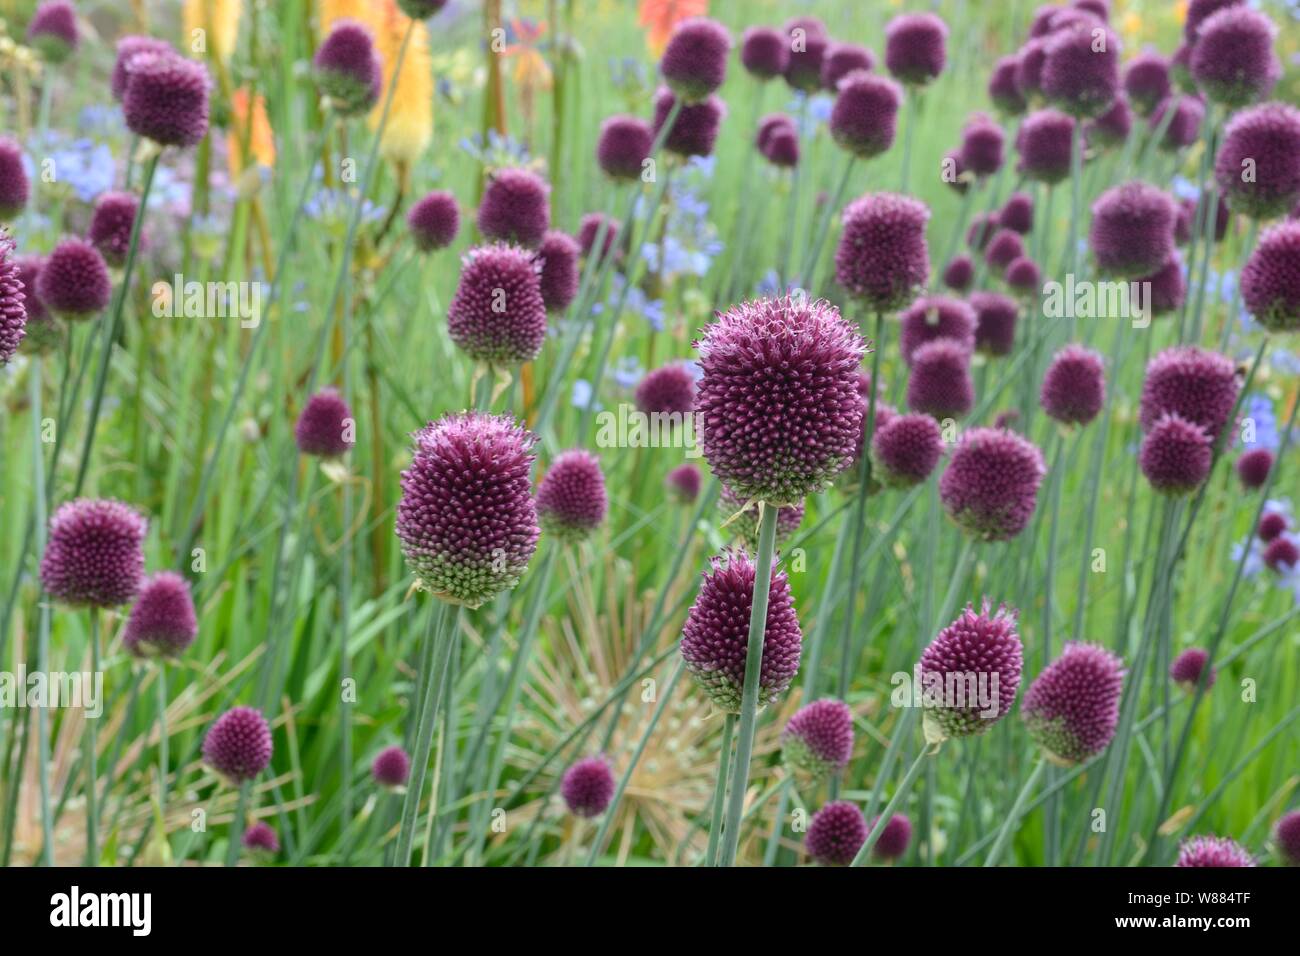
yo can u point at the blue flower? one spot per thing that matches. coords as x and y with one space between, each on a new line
583 395
1259 409
627 371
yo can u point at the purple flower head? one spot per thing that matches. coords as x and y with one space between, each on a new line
1146 81
1198 385
716 634
1074 386
1175 455
1188 666
43 331
769 126
1029 68
984 226
1044 143
1253 468
73 283
1166 286
1040 24
348 70
623 146
842 59
995 322
261 838
777 407
1263 141
865 115
781 147
1233 60
391 767
936 317
558 256
1282 554
916 47
325 427
166 98
1098 8
882 259
1004 91
1213 851
1023 276
1270 280
742 519
1198 11
835 833
516 208
1081 68
1183 128
1072 707
14 188
1073 18
818 740
466 519
1132 231
1110 128
238 744
127 47
162 622
434 221
894 838
110 226
982 145
1018 214
52 30
906 449
1003 249
940 384
669 390
589 231
683 483
587 787
694 63
970 673
959 274
13 297
571 501
1186 221
1271 525
764 52
94 556
498 314
806 40
695 130
1286 834
990 487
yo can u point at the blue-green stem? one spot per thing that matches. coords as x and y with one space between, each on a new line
91 747
720 790
43 634
894 803
1017 810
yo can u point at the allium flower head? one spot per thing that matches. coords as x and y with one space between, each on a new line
959 274
741 519
1146 81
1029 67
1017 214
74 282
835 833
238 744
970 673
694 63
806 41
906 449
842 59
260 837
1233 60
1003 249
936 317
916 47
52 30
1040 23
110 225
865 115
1186 223
166 98
668 389
1183 128
1004 91
391 767
939 383
13 298
764 52
1081 68
589 231
127 47
1132 231
498 314
162 622
623 145
715 637
43 332
894 838
1265 140
1282 554
1271 525
1270 279
1253 467
1023 276
434 221
1188 667
1175 455
782 148
571 501
1074 386
769 126
516 207
558 257
325 426
1286 835
348 69
1044 143
1199 385
14 187
683 483
882 258
1198 11
1072 707
588 786
982 143
1110 128
777 407
466 519
1213 851
995 322
94 556
818 740
990 487
695 130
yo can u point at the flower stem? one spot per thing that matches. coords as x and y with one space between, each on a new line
43 634
720 790
900 794
91 748
1013 818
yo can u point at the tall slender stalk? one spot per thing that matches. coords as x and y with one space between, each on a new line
1013 817
91 750
895 801
720 790
43 633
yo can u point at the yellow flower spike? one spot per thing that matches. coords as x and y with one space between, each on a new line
210 26
410 118
261 146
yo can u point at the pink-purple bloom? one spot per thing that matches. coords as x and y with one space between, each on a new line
1183 126
936 317
894 838
1081 68
497 314
13 297
1270 279
1017 213
1253 468
916 47
835 833
1175 455
516 208
1132 231
1286 835
1044 143
764 52
325 426
348 69
162 622
571 501
588 786
1263 141
882 258
1003 90
865 114
818 740
995 322
94 555
1213 851
74 282
694 63
683 482
990 487
391 767
1146 81
841 59
238 745
1072 708
434 221
1074 386
166 98
1187 668
110 226
14 187
695 130
959 274
623 145
558 256
669 390
939 383
52 30
1199 385
806 42
970 673
905 449
1233 60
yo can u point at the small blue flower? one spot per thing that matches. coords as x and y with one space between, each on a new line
583 395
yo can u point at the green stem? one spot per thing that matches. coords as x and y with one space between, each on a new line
720 790
162 741
43 635
1013 818
91 745
887 814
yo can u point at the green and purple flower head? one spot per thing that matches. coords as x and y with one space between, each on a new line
238 745
1072 708
1213 851
990 487
818 740
970 672
162 622
571 501
94 556
835 833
